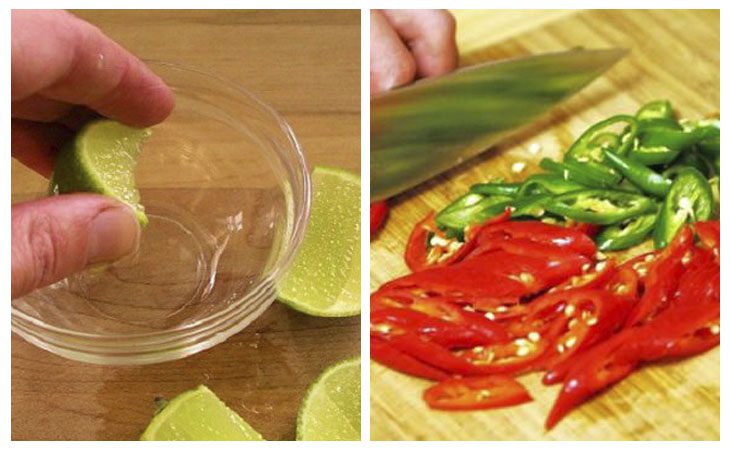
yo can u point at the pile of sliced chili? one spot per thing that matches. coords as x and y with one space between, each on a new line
507 278
633 176
523 296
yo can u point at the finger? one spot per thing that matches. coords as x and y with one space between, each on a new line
39 109
36 144
59 56
54 237
391 64
431 36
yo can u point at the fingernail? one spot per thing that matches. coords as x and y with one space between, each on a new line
113 233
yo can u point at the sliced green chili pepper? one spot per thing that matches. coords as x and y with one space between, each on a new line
507 189
600 206
661 145
626 234
689 200
470 208
544 183
646 179
665 124
657 109
588 147
530 206
584 174
689 159
708 135
715 187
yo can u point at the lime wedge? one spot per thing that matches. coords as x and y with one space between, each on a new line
331 408
325 277
101 158
198 415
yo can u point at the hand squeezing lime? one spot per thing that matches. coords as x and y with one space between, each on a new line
101 158
325 277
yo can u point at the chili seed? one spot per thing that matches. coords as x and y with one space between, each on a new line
518 167
527 278
715 329
569 310
483 394
571 342
534 336
382 328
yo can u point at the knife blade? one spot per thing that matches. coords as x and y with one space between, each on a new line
421 130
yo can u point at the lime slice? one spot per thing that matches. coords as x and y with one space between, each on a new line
101 158
198 415
325 277
331 408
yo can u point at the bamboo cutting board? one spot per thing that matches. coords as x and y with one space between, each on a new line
674 55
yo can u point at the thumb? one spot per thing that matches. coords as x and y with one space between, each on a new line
54 237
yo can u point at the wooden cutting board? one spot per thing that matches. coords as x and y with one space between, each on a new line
674 55
306 64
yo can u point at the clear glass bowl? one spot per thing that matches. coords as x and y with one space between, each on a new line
227 191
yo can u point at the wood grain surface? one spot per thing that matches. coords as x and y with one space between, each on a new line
306 64
674 55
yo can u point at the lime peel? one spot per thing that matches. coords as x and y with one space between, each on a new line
325 277
198 415
331 407
101 158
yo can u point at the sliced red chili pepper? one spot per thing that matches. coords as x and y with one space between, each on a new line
590 315
701 281
384 353
601 274
593 370
709 234
589 229
494 275
679 331
378 213
662 278
517 356
422 253
443 308
624 284
447 334
435 355
566 238
463 394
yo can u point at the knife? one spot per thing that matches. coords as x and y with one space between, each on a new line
419 131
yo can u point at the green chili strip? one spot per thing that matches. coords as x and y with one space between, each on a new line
689 200
584 174
657 109
646 179
508 189
600 206
547 183
469 209
626 234
531 206
590 145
